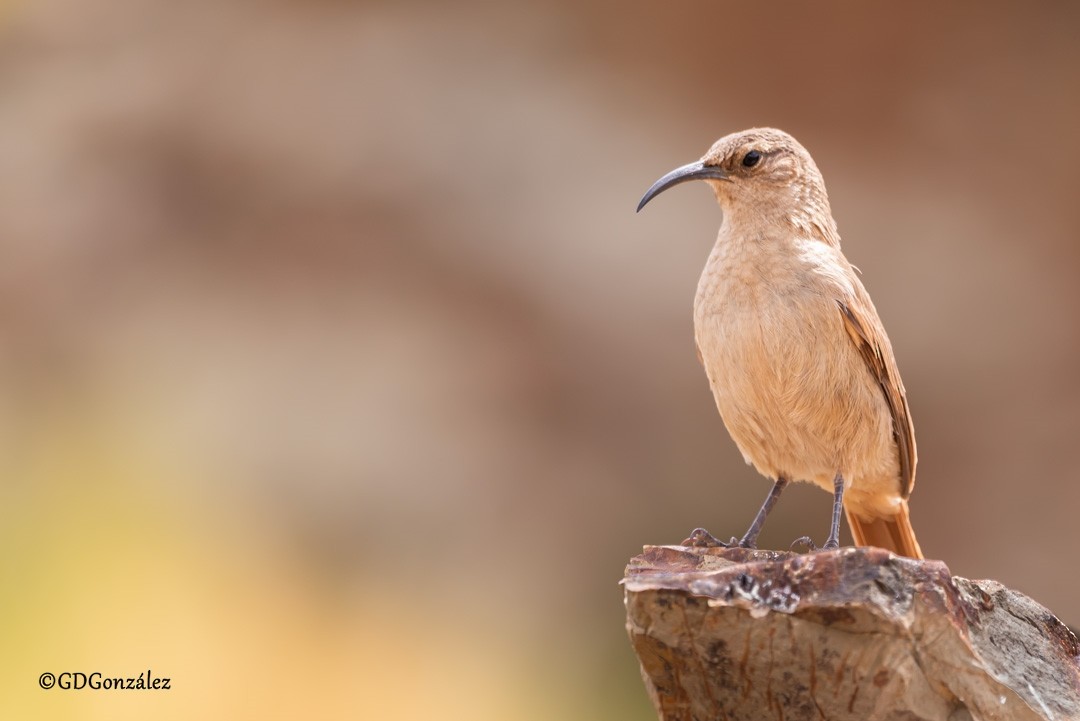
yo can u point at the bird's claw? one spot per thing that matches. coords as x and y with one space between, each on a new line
700 538
811 546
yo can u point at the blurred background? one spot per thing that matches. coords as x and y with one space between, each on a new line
338 378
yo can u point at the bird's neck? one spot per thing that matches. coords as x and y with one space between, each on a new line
809 212
759 246
800 210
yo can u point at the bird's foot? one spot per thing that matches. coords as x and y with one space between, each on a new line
809 544
700 538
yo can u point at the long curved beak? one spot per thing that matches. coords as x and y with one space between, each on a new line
692 171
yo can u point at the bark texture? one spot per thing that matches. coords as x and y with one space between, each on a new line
855 633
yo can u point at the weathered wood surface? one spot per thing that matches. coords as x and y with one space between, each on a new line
855 633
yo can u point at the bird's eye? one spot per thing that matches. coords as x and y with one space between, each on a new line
751 159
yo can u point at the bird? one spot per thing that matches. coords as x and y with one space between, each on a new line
800 367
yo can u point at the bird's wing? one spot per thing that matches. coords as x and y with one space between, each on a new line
873 345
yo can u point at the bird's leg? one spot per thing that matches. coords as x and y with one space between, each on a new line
702 538
833 541
749 539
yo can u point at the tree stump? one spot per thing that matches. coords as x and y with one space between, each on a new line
853 633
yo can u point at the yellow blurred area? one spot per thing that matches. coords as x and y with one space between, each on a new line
101 576
338 378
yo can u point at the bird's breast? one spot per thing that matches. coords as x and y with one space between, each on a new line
791 388
770 346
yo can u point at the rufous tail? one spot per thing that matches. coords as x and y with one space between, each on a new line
894 534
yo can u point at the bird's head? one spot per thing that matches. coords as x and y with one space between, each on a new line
761 166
